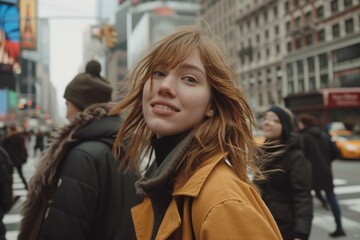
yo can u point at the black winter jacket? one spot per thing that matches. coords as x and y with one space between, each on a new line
92 197
287 190
320 151
16 148
6 171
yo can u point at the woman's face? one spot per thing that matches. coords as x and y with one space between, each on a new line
71 111
271 126
178 99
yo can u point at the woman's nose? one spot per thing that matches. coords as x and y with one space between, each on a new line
167 86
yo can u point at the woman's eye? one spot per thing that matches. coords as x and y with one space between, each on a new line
158 73
190 79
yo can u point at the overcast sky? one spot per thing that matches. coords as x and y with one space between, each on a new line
66 39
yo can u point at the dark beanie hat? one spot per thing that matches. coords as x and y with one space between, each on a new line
89 87
286 120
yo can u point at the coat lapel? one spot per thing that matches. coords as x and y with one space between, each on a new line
142 215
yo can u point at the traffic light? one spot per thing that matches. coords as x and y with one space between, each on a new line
110 35
97 32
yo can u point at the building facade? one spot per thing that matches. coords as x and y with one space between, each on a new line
141 23
287 47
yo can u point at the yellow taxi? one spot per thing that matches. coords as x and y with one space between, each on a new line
348 144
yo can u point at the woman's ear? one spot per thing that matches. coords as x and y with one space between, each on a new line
210 112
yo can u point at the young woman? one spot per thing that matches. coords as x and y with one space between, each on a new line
185 106
287 190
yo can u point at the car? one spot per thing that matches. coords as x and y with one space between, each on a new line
348 144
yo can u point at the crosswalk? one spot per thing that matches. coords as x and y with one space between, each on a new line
348 196
13 217
349 203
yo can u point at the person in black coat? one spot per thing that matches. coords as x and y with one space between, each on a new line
287 189
321 151
15 146
6 193
80 191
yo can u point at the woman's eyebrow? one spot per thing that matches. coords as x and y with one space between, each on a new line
193 67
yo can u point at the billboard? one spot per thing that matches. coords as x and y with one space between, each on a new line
9 37
8 104
28 24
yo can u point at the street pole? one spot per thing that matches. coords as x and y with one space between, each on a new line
29 82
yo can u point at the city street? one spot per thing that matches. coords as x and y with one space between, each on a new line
347 183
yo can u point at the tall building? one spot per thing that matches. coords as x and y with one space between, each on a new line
254 33
282 48
141 23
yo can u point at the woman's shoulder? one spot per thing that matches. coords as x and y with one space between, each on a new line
224 184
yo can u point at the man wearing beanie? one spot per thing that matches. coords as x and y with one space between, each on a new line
79 190
287 189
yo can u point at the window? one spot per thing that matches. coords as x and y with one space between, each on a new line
336 30
301 85
324 81
275 10
321 35
266 34
297 21
349 53
334 6
311 64
270 99
265 16
257 38
289 70
256 21
308 17
260 97
296 3
287 6
349 26
268 81
276 29
309 39
290 87
259 55
320 12
267 52
277 48
312 83
300 67
279 94
347 3
288 26
323 61
298 43
289 47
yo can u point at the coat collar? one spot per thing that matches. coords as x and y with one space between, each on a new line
193 186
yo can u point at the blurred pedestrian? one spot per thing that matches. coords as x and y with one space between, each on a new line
15 146
321 152
287 190
39 141
184 105
80 191
6 193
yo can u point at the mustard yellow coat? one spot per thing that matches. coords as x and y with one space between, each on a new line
213 204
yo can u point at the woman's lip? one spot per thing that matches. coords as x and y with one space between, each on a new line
164 106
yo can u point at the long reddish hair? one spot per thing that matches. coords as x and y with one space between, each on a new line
228 131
